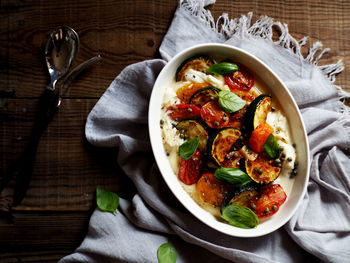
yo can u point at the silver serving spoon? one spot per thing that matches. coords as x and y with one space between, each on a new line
68 79
60 52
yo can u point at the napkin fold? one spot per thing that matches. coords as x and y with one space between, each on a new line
319 230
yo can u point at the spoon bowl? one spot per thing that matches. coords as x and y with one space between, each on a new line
60 52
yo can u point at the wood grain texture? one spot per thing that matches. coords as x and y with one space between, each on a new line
121 31
53 217
67 168
50 256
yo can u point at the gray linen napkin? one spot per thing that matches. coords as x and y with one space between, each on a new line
320 229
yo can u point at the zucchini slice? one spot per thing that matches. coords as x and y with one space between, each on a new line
221 144
241 195
199 63
260 170
232 159
192 129
257 112
202 96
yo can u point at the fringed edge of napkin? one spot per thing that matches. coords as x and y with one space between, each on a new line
238 27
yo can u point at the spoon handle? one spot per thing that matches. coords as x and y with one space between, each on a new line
48 106
47 109
76 71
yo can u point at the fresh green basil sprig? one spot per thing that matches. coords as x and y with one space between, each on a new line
232 176
271 147
166 254
188 148
240 216
230 102
223 68
107 201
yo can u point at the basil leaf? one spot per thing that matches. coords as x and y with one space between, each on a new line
271 147
166 254
188 148
230 102
240 216
106 201
223 68
232 175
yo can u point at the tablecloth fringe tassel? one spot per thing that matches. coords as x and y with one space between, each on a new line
264 28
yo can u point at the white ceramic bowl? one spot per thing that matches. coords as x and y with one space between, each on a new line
278 90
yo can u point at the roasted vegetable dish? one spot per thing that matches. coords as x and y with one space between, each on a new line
227 140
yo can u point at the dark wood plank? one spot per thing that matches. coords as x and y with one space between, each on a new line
29 233
67 168
51 256
33 230
121 31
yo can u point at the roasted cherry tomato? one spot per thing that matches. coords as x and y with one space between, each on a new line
181 112
190 170
239 80
214 116
235 121
211 190
271 197
186 91
248 96
258 137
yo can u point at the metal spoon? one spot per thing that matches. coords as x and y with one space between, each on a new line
74 73
60 52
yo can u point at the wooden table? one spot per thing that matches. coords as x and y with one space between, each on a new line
53 218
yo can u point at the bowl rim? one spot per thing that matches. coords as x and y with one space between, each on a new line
183 199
